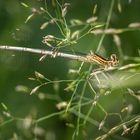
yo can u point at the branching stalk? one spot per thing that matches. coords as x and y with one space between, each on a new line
45 52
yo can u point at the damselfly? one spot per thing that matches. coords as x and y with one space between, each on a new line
87 58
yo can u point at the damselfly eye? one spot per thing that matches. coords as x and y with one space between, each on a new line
113 57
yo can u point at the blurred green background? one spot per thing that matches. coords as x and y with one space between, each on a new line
17 67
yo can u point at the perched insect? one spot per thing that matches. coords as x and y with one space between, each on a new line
87 58
93 57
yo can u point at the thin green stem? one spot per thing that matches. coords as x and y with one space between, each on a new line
79 109
73 94
7 122
107 25
53 19
49 116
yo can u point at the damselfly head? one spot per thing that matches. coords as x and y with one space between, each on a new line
114 60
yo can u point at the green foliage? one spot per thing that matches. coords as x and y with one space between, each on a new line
73 100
